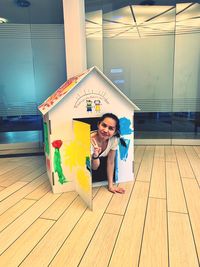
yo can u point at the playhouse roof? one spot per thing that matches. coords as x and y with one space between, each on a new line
69 85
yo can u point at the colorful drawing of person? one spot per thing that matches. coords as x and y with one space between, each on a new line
89 105
103 150
97 106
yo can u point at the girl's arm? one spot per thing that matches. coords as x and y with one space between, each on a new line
95 163
110 168
110 173
95 155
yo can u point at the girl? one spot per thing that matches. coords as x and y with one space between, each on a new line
104 145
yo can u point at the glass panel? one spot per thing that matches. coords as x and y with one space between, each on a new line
151 52
32 65
138 45
186 95
48 48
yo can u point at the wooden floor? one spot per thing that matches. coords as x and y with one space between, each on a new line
156 223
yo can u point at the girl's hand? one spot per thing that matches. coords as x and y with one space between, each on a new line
97 149
116 190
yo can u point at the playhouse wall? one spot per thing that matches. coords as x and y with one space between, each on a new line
47 147
61 130
76 105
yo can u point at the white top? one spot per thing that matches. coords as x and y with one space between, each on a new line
112 145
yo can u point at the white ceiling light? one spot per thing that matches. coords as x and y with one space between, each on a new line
2 20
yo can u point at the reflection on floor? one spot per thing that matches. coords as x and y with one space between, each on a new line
20 137
166 135
21 143
25 152
163 125
19 133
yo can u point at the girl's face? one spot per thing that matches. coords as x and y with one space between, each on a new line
107 128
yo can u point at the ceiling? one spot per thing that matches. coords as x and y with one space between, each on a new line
109 5
51 12
112 18
139 21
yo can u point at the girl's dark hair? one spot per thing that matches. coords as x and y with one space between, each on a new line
117 134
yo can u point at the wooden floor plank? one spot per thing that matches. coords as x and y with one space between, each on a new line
170 153
20 194
127 249
183 162
197 149
94 191
2 188
55 238
158 185
144 172
15 175
194 160
180 233
83 232
15 171
192 193
7 166
59 206
39 160
11 189
139 152
159 152
136 169
8 160
36 173
155 246
175 195
14 212
11 159
100 248
119 202
40 191
190 152
16 253
25 220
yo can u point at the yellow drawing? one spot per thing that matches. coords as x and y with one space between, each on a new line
77 156
97 105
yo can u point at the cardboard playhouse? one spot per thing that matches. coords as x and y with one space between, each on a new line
69 115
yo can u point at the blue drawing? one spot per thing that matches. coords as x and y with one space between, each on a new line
125 126
123 151
116 167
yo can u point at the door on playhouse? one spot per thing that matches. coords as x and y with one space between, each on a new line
82 164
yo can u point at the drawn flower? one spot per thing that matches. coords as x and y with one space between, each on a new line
57 161
57 144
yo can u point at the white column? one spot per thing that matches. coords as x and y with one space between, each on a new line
75 39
